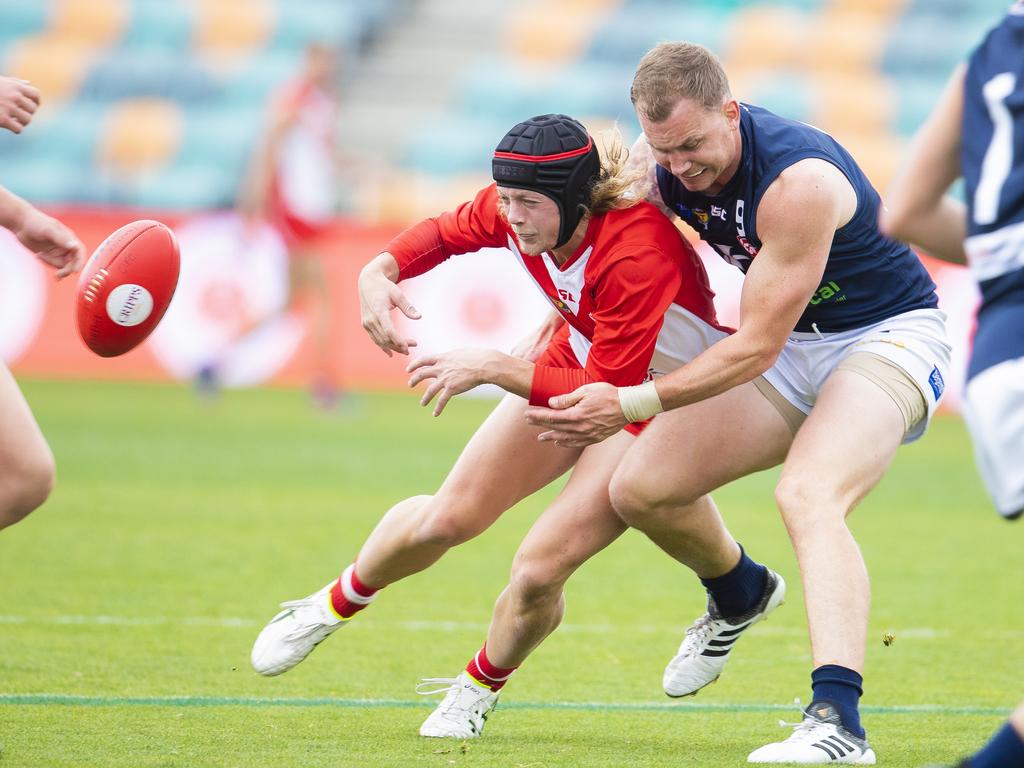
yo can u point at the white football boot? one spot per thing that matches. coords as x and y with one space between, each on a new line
464 709
295 632
709 640
820 738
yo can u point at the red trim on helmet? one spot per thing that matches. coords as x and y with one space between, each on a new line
547 158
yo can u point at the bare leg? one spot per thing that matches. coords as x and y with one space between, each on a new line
502 464
660 486
578 524
26 464
1006 747
1017 720
839 454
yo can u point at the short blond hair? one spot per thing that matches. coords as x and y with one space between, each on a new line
670 72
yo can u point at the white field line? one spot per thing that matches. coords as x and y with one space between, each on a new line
917 633
63 699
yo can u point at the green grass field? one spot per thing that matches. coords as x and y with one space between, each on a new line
129 603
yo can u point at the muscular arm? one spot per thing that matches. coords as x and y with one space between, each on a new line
917 208
780 281
778 285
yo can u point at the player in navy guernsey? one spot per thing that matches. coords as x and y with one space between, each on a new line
977 132
867 277
840 320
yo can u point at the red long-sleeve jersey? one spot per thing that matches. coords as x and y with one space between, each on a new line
614 291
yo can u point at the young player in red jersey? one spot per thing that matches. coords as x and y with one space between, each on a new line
632 300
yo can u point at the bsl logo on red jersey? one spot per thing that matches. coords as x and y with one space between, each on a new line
565 301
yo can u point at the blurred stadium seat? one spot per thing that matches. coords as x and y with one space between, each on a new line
638 25
865 70
18 20
140 135
154 103
96 23
233 25
159 26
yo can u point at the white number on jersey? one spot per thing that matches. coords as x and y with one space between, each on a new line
998 161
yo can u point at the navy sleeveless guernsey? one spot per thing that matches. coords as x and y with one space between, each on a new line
992 162
868 277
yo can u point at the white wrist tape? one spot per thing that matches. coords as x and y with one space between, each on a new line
640 402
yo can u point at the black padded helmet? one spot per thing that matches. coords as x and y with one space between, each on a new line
553 155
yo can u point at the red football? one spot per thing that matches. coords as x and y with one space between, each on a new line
126 286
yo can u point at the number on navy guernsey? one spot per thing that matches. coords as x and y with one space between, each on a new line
998 161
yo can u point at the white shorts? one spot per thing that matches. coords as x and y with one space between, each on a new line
993 406
914 341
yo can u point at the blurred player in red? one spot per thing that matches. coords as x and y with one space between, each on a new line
26 464
292 183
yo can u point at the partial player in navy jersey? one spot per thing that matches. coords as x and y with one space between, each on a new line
977 131
840 320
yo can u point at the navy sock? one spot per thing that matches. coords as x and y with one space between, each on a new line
738 591
842 688
1005 749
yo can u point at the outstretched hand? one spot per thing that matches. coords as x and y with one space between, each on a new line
51 242
450 373
377 297
584 416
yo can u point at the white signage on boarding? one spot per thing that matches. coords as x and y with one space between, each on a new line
226 309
